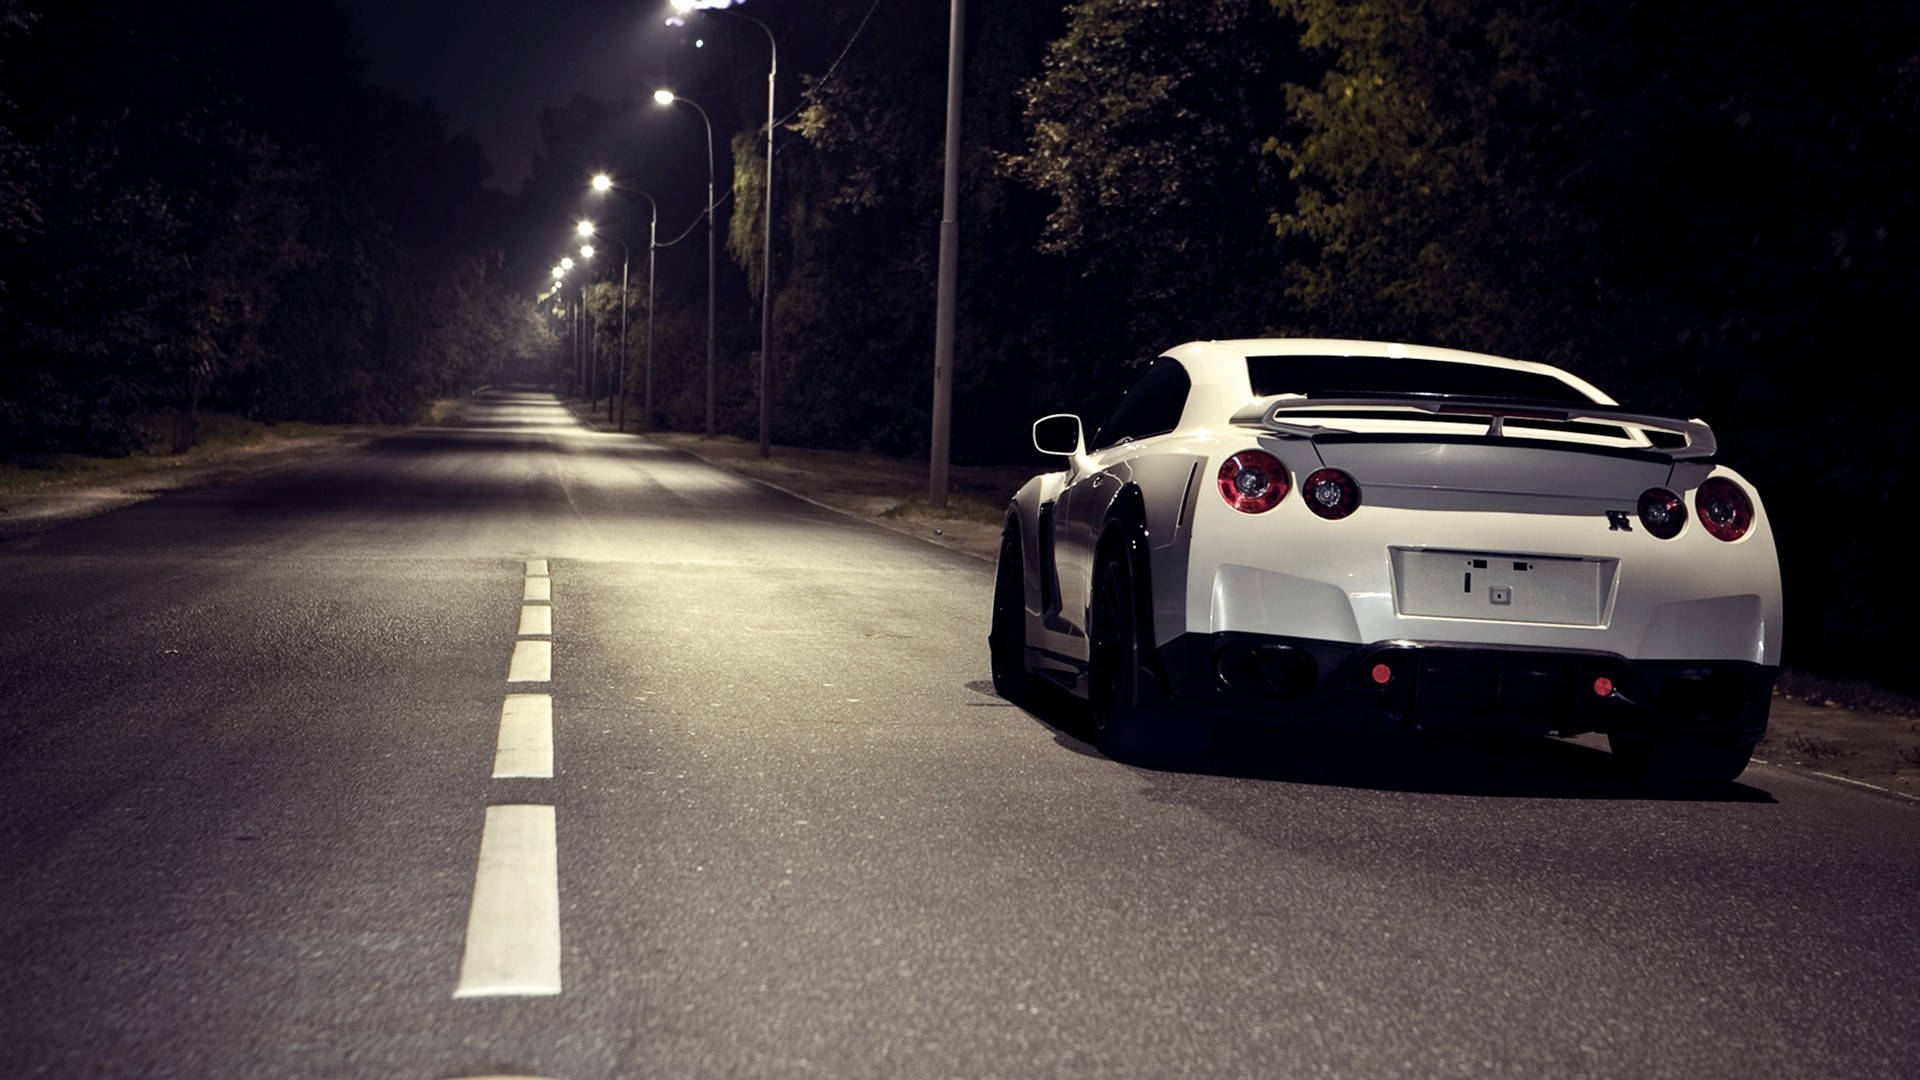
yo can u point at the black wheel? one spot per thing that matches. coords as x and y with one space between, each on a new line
1007 637
1681 760
1131 717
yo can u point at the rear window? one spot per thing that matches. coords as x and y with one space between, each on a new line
1337 376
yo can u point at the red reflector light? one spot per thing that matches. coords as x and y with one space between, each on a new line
1382 674
1252 481
1603 687
1331 494
1725 510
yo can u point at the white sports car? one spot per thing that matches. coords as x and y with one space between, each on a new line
1385 536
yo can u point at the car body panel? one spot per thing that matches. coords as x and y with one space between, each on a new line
1537 512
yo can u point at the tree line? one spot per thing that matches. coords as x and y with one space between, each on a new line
205 206
1706 209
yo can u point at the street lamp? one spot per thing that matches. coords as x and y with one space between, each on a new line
590 339
766 213
947 282
601 184
667 97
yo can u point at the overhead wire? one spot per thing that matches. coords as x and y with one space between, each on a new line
717 204
831 68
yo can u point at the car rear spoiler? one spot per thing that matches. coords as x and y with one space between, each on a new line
1271 412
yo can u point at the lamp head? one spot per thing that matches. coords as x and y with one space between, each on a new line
585 228
566 264
663 97
586 251
602 182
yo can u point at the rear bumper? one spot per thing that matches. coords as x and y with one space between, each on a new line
1391 685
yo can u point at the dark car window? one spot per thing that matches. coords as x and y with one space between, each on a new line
1335 376
1152 407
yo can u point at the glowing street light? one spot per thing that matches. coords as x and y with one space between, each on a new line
585 228
566 263
668 97
685 7
601 184
586 251
559 272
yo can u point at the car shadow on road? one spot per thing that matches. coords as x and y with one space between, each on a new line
1490 765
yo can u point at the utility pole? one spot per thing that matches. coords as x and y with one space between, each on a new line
949 268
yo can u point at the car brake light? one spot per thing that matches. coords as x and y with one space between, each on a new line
1331 494
1662 512
1725 510
1252 481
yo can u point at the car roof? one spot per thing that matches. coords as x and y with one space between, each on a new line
1221 384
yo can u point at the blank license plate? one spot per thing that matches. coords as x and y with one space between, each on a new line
1503 587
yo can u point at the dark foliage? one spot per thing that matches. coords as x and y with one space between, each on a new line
203 206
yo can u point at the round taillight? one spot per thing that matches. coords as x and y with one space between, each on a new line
1725 511
1662 512
1382 674
1253 481
1603 687
1331 494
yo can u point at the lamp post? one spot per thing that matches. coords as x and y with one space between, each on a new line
573 331
559 284
949 271
766 241
592 331
602 183
667 97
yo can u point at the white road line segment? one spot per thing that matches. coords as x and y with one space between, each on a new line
536 568
513 929
525 746
532 662
536 620
539 588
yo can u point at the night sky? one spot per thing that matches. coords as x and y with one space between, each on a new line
491 65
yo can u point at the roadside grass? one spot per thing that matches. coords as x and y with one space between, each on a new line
1821 692
962 507
221 435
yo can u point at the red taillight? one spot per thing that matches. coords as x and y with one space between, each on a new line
1382 674
1331 494
1253 481
1662 512
1603 687
1725 511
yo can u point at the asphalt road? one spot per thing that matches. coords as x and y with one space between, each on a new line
249 731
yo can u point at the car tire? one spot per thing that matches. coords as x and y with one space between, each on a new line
1007 635
1130 714
1681 760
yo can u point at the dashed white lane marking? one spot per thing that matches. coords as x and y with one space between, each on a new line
536 568
539 588
513 930
536 620
525 747
532 662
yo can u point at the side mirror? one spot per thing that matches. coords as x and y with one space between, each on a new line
1059 435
